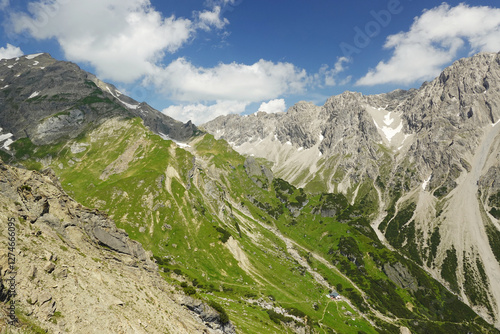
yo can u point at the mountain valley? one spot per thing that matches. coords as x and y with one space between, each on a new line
246 224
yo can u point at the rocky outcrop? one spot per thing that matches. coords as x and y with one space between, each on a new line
211 317
401 276
260 174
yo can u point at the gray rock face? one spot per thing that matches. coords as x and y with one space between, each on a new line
210 316
443 121
401 276
47 100
341 135
259 174
53 128
450 113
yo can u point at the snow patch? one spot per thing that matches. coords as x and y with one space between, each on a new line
33 56
165 137
388 120
128 105
389 133
491 124
320 154
35 94
321 137
288 143
7 144
300 149
10 66
426 182
4 87
36 63
6 138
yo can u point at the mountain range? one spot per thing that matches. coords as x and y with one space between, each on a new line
431 155
246 224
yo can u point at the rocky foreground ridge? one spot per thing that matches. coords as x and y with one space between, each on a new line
78 273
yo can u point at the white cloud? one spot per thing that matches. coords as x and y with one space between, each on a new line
273 106
127 41
10 51
123 39
4 4
207 19
263 80
434 39
329 75
201 113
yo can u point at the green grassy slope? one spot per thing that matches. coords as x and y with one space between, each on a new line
267 256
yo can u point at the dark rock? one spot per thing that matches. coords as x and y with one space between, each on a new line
401 276
207 314
111 239
49 267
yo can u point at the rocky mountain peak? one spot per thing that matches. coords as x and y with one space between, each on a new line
46 100
435 147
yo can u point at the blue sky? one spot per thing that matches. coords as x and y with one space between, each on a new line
197 59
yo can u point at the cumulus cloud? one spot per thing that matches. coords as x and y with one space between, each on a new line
209 19
263 80
4 4
434 40
273 106
10 51
127 41
329 75
200 113
123 39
